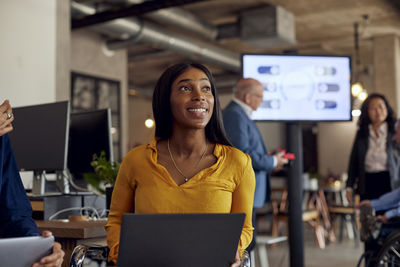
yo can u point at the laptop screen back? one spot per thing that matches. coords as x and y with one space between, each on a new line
179 240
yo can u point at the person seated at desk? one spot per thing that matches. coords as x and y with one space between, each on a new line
15 209
190 166
390 204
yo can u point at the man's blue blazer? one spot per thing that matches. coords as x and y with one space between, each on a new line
15 208
244 135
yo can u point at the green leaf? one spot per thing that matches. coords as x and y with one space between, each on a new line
93 180
104 171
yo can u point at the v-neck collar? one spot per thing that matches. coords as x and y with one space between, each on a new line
218 151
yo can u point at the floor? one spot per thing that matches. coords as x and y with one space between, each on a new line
342 254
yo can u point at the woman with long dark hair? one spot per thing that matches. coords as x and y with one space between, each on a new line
190 166
374 161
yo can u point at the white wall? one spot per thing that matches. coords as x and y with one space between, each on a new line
27 51
34 52
140 109
335 140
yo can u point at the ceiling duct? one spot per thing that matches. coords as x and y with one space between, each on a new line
133 30
269 26
185 20
182 19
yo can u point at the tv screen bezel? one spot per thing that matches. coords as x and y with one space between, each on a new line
303 55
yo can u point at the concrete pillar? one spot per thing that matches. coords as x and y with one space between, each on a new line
63 48
387 69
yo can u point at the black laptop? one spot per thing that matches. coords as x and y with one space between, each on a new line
179 240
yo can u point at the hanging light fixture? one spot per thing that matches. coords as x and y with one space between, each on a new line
357 86
357 89
149 123
363 95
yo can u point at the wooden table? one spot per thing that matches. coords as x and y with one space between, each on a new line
70 234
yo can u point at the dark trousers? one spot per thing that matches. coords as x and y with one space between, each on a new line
376 184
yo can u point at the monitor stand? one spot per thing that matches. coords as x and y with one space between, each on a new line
62 182
39 183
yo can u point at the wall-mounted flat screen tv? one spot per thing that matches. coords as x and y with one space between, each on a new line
301 88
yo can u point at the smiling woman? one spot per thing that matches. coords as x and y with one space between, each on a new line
190 166
192 101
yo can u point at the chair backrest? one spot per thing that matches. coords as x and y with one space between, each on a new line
280 204
279 200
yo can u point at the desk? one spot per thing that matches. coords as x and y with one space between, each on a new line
45 206
70 234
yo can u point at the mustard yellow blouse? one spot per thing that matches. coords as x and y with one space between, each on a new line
225 187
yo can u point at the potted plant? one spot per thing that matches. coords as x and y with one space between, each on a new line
104 175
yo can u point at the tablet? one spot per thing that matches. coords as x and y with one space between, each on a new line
179 240
24 251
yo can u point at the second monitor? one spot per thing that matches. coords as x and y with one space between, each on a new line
89 133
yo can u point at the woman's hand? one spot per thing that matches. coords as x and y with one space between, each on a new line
6 118
55 259
237 260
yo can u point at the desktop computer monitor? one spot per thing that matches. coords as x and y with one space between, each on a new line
90 133
40 141
40 137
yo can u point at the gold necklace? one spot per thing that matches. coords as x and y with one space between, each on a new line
176 167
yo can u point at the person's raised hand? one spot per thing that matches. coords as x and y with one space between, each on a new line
6 118
281 160
55 259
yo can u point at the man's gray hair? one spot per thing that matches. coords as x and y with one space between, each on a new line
243 86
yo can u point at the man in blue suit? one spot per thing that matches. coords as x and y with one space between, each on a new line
244 135
15 208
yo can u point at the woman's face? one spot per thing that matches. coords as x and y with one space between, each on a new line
192 101
377 111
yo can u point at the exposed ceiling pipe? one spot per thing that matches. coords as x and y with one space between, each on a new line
146 55
182 19
133 30
119 28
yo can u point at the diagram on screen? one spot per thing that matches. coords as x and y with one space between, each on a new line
300 87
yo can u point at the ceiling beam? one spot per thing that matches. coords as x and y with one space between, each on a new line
129 11
395 4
